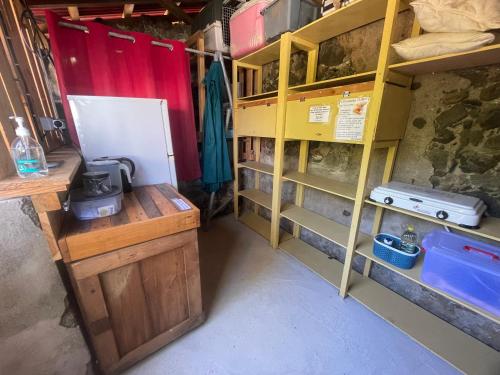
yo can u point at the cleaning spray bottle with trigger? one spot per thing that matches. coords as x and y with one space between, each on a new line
27 153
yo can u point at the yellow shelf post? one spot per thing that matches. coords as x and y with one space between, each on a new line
279 147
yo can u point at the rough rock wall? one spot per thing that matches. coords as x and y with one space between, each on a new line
32 301
158 27
452 142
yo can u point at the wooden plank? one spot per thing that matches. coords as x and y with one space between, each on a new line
128 9
164 205
74 15
490 226
365 249
264 95
57 181
133 208
257 223
91 243
100 223
343 20
46 202
339 81
317 261
95 315
164 281
147 203
483 56
128 310
265 55
134 253
256 166
156 343
121 218
322 226
327 185
176 11
451 344
51 223
191 260
261 198
454 346
332 91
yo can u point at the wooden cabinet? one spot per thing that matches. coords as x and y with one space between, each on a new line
136 275
301 122
257 119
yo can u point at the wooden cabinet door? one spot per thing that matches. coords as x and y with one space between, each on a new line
137 299
257 120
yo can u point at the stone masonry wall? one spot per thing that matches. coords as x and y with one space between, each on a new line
452 143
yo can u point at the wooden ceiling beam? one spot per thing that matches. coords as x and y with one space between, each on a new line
73 13
128 9
176 11
48 4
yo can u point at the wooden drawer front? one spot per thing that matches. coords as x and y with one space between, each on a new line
137 299
298 125
257 121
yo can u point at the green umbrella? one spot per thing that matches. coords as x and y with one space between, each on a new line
215 156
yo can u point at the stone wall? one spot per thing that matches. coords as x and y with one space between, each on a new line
452 142
36 336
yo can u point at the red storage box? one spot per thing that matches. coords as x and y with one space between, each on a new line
247 28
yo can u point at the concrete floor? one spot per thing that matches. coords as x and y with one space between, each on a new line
268 314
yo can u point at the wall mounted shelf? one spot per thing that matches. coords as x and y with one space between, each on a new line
327 185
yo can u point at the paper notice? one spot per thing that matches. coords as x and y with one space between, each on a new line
351 118
319 113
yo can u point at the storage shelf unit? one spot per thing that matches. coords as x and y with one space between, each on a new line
389 89
483 56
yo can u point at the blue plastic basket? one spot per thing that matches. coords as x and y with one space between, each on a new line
391 254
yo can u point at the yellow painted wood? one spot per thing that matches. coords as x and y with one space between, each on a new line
257 121
354 15
394 112
265 55
339 81
279 148
257 166
257 223
299 192
325 184
299 127
264 95
257 196
379 212
490 226
483 56
256 148
387 38
303 44
365 249
236 153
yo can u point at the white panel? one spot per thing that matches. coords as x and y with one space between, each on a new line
133 127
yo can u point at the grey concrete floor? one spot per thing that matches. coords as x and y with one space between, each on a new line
268 314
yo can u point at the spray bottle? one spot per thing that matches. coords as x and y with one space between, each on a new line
27 153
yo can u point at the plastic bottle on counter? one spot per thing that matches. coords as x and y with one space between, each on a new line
409 240
27 153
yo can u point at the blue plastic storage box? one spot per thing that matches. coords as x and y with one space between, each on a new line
391 254
463 267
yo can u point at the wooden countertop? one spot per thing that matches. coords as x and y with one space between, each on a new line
147 213
58 179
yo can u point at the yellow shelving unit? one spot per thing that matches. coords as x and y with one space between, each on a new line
282 115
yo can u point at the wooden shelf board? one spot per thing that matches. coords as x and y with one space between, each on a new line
265 55
58 179
314 259
483 56
256 166
339 81
490 226
257 223
322 226
327 185
365 248
451 344
263 95
257 196
353 16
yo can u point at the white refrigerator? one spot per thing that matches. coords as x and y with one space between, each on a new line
136 128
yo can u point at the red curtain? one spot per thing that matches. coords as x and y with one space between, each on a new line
93 63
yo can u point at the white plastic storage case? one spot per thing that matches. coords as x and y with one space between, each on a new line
460 209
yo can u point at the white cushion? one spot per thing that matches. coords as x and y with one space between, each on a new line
435 44
437 16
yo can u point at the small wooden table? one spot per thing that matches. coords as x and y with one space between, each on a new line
136 274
